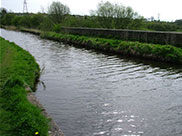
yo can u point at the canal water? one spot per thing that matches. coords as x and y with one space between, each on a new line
94 94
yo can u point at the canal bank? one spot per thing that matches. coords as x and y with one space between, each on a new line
156 52
155 37
90 93
19 75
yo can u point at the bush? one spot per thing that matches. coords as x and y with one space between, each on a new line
36 20
7 19
159 26
46 25
16 21
25 21
56 28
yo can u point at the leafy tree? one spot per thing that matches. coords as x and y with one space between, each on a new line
7 19
115 15
80 21
46 24
36 20
105 14
3 11
25 21
16 20
179 23
57 11
161 26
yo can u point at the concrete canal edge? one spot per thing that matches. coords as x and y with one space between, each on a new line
54 130
155 37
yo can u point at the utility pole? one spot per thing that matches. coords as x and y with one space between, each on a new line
158 16
25 7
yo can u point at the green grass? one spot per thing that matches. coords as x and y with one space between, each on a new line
165 53
179 30
18 71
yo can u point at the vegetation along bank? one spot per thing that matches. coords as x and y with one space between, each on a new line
157 52
107 15
165 53
120 17
18 75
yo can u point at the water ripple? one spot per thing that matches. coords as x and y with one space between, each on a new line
90 93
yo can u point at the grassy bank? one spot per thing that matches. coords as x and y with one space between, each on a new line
157 52
165 53
18 74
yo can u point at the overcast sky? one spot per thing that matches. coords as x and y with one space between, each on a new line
169 10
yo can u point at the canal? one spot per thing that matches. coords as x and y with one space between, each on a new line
89 93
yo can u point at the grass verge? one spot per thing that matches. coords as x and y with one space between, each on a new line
165 53
18 72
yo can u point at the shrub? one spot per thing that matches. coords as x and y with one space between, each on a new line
56 28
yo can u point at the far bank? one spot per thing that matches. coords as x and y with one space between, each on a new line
156 52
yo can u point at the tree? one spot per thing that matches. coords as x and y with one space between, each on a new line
7 19
3 12
58 11
46 24
114 15
36 20
25 21
179 23
105 14
16 21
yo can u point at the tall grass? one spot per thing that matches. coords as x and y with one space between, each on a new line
18 71
166 53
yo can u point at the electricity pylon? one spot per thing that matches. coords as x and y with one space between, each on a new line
25 7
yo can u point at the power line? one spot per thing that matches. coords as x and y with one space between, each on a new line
25 7
159 16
